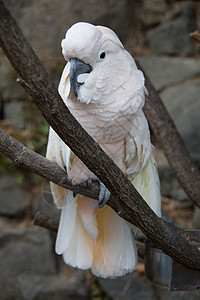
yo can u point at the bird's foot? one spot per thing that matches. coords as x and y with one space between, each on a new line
104 194
87 183
84 184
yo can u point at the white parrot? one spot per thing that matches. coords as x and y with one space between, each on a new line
105 91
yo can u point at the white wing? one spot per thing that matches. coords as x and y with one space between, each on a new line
148 185
141 166
138 145
59 152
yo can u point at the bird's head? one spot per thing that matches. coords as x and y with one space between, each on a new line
92 52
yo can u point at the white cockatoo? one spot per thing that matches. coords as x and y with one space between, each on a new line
103 88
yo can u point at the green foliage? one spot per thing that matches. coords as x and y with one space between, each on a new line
33 136
37 129
38 138
97 293
21 180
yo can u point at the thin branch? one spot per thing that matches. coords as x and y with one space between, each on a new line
196 35
126 201
43 167
43 220
163 127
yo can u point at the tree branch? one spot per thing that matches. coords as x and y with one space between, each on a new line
177 243
196 35
43 220
43 167
163 127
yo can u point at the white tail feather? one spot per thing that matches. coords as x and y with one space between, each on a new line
87 209
79 253
114 252
108 249
73 240
100 239
67 223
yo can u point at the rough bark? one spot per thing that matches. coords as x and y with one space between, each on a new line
38 164
126 201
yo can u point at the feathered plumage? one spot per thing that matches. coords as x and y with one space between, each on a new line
109 107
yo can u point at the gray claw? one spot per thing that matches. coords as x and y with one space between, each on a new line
104 195
86 183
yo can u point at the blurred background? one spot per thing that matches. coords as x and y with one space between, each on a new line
156 32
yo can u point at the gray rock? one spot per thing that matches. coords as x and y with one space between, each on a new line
70 285
13 200
7 79
165 71
29 270
172 37
153 11
11 96
196 218
25 249
164 294
13 112
183 104
54 287
52 19
9 287
170 187
128 287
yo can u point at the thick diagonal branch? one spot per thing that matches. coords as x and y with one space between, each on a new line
180 245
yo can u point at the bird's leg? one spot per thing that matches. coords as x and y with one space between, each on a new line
104 194
87 183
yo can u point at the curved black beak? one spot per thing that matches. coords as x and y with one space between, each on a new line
77 67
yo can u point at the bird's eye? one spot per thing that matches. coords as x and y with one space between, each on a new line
101 55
